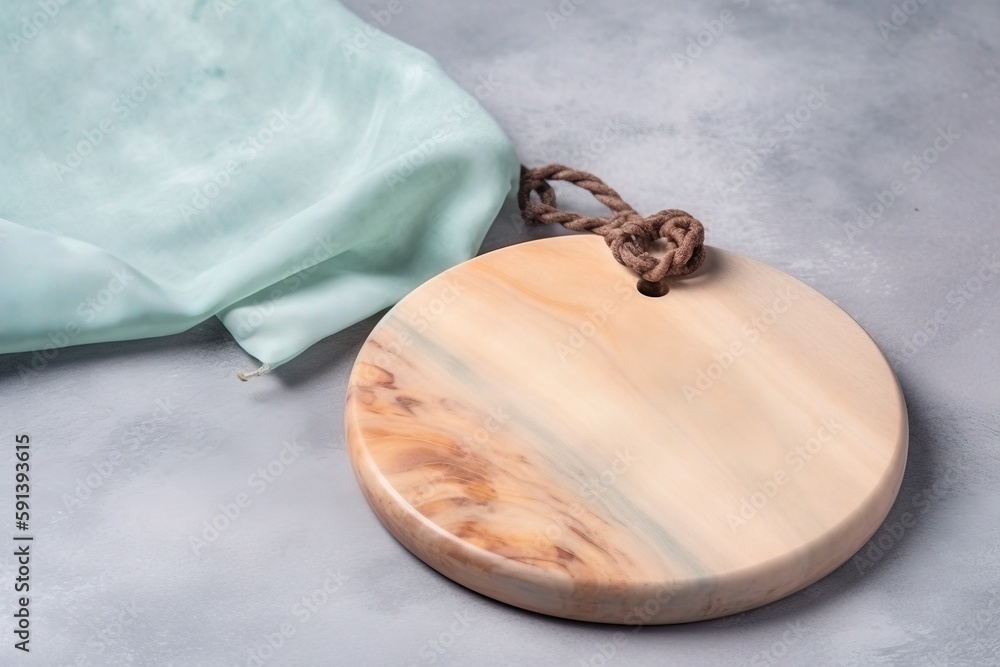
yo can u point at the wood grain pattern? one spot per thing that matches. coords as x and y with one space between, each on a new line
532 427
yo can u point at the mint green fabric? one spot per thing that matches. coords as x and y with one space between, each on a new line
282 165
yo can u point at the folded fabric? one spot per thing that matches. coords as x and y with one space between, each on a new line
282 165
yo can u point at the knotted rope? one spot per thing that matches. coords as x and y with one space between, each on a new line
628 234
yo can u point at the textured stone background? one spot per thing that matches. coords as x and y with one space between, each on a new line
119 583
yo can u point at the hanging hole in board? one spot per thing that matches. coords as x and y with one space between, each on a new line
647 288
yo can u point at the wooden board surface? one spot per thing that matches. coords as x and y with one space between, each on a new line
532 427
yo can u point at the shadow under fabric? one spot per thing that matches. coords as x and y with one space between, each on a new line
282 165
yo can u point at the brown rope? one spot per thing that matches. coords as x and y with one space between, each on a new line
627 233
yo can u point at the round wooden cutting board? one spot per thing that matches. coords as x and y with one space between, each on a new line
534 428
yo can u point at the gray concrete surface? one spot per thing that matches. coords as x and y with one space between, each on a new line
137 445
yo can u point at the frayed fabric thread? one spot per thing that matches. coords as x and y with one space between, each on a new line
257 373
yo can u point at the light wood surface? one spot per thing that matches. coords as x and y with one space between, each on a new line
532 427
